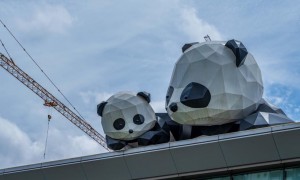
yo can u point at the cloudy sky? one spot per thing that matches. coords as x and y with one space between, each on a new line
92 49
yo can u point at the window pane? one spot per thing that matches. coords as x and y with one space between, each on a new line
220 178
293 174
268 175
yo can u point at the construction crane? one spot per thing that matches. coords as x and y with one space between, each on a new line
50 100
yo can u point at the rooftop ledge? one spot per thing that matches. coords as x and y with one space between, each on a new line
226 153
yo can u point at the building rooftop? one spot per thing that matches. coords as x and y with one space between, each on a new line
275 146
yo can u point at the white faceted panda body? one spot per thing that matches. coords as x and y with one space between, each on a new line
119 113
234 92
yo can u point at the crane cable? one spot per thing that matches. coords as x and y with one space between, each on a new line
5 50
49 114
47 135
39 68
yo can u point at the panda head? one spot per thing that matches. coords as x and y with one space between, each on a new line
126 115
214 83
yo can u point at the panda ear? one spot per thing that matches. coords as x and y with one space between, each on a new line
187 46
145 95
100 108
239 50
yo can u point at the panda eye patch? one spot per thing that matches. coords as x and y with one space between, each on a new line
119 124
138 119
169 94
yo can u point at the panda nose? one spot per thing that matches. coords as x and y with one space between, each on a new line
195 95
173 107
130 131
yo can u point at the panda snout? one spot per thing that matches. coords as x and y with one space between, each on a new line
130 131
195 95
173 107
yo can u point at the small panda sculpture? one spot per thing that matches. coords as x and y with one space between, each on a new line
214 86
128 119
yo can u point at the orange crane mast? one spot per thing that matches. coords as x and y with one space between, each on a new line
50 100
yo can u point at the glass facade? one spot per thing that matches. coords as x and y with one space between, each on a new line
292 173
268 175
221 178
282 174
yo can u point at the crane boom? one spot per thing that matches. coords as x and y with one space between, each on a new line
50 100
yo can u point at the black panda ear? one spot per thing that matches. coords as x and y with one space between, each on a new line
239 50
187 46
145 95
100 108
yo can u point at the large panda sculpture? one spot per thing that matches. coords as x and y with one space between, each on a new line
128 119
216 87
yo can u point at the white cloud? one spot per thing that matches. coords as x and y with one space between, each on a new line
47 18
15 145
276 68
283 98
63 146
196 28
276 100
94 97
17 148
158 106
91 97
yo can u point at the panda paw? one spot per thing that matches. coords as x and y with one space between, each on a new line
159 134
115 144
266 115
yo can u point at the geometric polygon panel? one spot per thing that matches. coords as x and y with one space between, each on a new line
263 119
